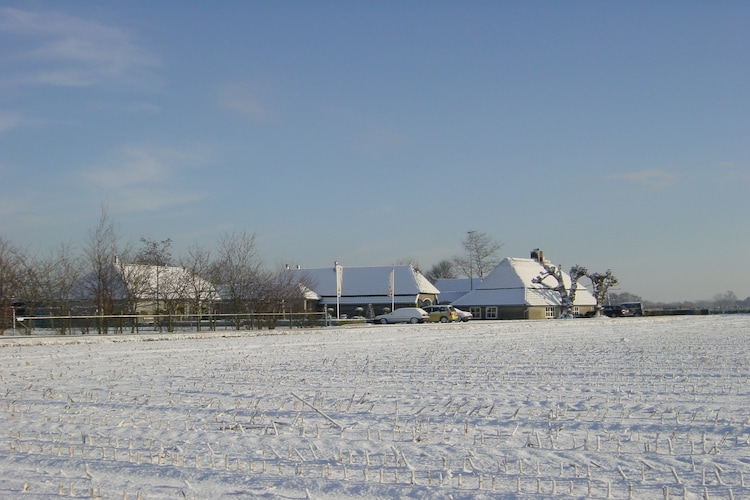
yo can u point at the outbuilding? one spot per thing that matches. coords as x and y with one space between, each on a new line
367 291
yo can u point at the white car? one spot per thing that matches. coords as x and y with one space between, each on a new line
463 315
403 315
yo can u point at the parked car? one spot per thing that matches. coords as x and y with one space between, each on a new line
441 313
403 315
613 311
632 309
463 315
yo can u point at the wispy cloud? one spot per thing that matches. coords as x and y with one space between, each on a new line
654 178
56 49
248 99
9 121
145 178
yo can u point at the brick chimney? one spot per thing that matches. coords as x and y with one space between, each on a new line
537 255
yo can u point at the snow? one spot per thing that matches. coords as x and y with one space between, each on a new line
601 408
512 283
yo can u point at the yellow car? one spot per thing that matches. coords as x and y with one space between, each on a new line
441 313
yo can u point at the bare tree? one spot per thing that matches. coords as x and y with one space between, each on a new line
445 269
237 271
102 283
31 289
46 284
11 271
136 286
56 277
157 256
619 298
202 294
481 255
601 283
408 261
154 253
268 297
567 294
282 292
726 301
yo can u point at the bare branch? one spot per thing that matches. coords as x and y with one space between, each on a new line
481 255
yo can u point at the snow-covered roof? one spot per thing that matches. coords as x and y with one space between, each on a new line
308 294
359 282
168 281
511 283
452 289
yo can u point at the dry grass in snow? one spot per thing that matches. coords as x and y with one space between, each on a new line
625 408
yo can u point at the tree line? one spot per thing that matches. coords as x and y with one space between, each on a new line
64 282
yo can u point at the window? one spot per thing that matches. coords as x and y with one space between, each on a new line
491 312
549 312
575 311
476 312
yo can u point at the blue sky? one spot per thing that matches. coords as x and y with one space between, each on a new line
609 134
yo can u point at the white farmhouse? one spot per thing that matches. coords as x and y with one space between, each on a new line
509 292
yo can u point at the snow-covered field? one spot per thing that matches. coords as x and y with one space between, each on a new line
611 408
